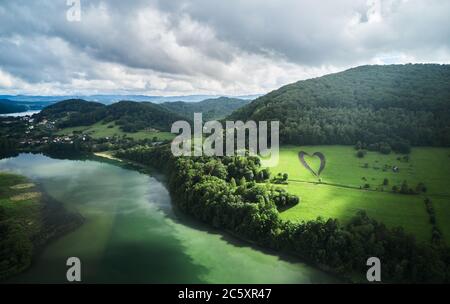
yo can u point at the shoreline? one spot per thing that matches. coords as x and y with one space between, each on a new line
107 156
228 234
55 221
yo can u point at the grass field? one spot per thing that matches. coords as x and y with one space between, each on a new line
100 130
339 194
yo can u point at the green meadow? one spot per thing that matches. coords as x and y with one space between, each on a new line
101 130
348 184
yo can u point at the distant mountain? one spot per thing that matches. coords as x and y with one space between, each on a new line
32 99
73 112
6 107
129 115
374 104
26 105
134 116
211 109
109 99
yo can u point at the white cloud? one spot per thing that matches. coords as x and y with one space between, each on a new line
6 80
209 47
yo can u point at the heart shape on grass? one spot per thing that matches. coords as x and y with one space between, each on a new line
301 156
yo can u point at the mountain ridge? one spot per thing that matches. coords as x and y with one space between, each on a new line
373 104
212 108
131 116
6 107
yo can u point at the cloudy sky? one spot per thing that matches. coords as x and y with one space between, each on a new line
232 47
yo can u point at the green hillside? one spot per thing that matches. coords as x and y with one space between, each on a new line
130 116
392 104
7 106
215 108
111 129
135 116
73 112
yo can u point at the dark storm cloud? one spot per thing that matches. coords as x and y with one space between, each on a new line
132 34
315 32
210 45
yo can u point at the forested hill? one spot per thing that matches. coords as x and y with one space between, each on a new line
68 107
129 115
7 106
214 108
372 104
134 116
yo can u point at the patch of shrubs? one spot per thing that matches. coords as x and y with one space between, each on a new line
361 153
404 158
280 178
436 234
405 189
385 147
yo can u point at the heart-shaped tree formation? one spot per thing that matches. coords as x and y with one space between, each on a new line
301 156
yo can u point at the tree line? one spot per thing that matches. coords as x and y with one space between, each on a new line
206 188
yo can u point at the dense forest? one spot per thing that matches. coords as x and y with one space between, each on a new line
212 109
231 193
73 111
6 106
134 116
129 115
393 104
